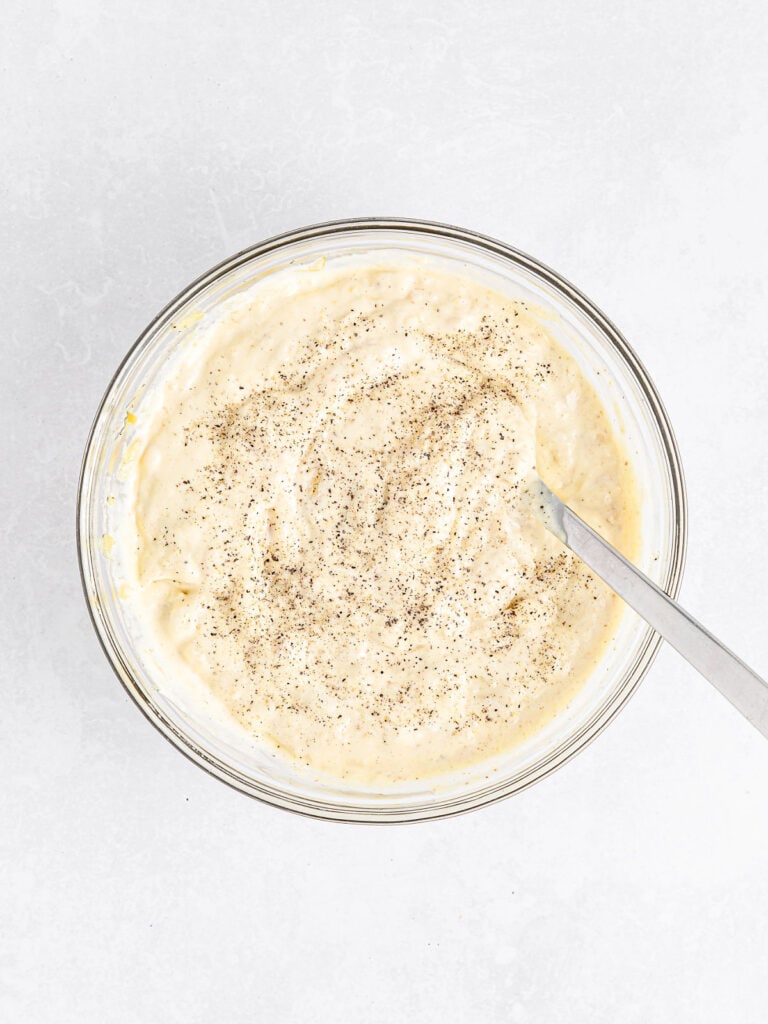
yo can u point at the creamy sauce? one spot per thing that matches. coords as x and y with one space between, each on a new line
332 521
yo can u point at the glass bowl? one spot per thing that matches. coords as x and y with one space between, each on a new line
632 404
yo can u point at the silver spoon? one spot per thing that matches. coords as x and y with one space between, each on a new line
736 681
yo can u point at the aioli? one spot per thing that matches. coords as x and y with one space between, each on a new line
331 524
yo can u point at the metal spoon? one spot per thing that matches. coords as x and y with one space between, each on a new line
736 681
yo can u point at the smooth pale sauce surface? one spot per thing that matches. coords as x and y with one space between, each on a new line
332 523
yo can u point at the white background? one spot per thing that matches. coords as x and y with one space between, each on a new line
626 145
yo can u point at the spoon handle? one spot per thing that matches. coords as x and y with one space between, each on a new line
736 681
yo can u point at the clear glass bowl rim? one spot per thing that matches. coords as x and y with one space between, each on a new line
475 798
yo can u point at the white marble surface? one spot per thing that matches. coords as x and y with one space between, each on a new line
625 145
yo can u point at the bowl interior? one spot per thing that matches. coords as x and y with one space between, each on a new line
208 736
